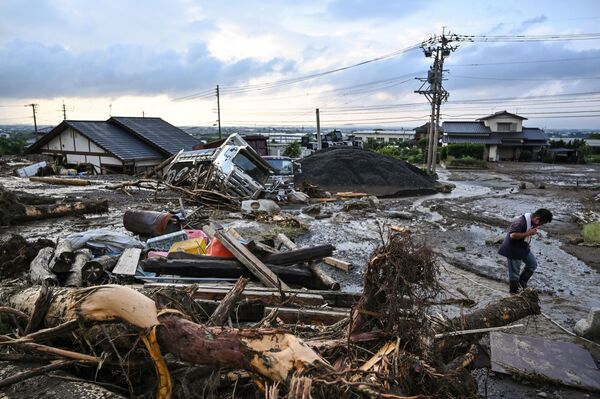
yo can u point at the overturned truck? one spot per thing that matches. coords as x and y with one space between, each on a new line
234 169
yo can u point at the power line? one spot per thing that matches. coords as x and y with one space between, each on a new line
525 62
529 38
525 79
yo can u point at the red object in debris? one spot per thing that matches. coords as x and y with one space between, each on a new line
215 248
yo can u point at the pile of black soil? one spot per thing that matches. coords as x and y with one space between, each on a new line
341 169
16 254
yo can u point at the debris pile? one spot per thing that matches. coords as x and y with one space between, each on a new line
244 340
353 169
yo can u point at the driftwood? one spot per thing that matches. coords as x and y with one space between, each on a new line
39 270
61 181
205 266
158 168
299 255
95 271
75 279
60 210
63 257
222 312
325 278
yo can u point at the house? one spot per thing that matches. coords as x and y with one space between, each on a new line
117 145
502 133
384 136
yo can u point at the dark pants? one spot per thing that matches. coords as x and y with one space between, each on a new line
514 266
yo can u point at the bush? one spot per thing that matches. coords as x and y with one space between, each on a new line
444 153
292 150
372 144
466 150
591 232
548 159
390 151
593 158
415 159
526 156
467 161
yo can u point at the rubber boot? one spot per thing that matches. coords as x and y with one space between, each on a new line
525 276
514 287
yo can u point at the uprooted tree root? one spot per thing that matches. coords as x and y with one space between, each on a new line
388 347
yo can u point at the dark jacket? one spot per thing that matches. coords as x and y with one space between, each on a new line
515 249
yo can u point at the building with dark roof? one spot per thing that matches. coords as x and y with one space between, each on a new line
118 145
502 133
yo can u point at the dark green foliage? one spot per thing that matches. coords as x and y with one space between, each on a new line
293 150
11 146
390 150
372 144
444 153
467 161
466 150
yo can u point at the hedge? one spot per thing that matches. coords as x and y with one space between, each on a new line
466 150
467 161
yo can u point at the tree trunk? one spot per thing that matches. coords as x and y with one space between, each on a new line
60 210
299 255
61 181
63 257
75 279
208 266
39 269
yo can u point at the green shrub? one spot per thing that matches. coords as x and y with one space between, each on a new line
591 232
292 150
466 150
415 159
390 150
444 153
526 156
466 161
594 158
548 159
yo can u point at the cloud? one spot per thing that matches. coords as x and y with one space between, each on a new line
365 9
31 69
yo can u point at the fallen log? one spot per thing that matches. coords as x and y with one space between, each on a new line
95 271
209 266
60 181
60 210
323 277
158 168
299 255
270 353
75 279
63 257
39 269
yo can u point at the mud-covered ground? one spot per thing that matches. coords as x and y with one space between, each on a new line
461 227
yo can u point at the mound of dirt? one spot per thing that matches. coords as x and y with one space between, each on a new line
353 169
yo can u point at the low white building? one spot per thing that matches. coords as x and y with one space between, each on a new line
384 136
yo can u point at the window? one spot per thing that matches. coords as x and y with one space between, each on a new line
504 126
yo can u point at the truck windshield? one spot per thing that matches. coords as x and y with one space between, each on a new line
252 169
282 166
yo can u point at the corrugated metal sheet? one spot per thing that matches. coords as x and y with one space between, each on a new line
158 132
119 142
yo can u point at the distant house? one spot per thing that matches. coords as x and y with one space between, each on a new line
384 136
118 145
502 133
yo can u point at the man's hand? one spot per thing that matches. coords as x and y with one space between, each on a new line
520 236
532 231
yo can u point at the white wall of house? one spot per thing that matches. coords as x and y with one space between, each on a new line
385 136
492 123
492 153
79 149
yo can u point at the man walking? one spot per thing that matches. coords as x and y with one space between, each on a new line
516 247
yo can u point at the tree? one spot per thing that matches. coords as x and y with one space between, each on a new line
292 150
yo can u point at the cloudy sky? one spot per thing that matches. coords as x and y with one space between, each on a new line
165 58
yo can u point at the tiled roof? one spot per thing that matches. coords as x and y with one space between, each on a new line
157 132
465 127
501 113
115 140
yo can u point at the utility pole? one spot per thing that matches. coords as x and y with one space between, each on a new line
109 110
318 130
438 48
64 109
34 108
219 112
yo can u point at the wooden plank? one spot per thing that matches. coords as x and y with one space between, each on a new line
386 349
253 264
340 264
128 262
267 297
309 316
